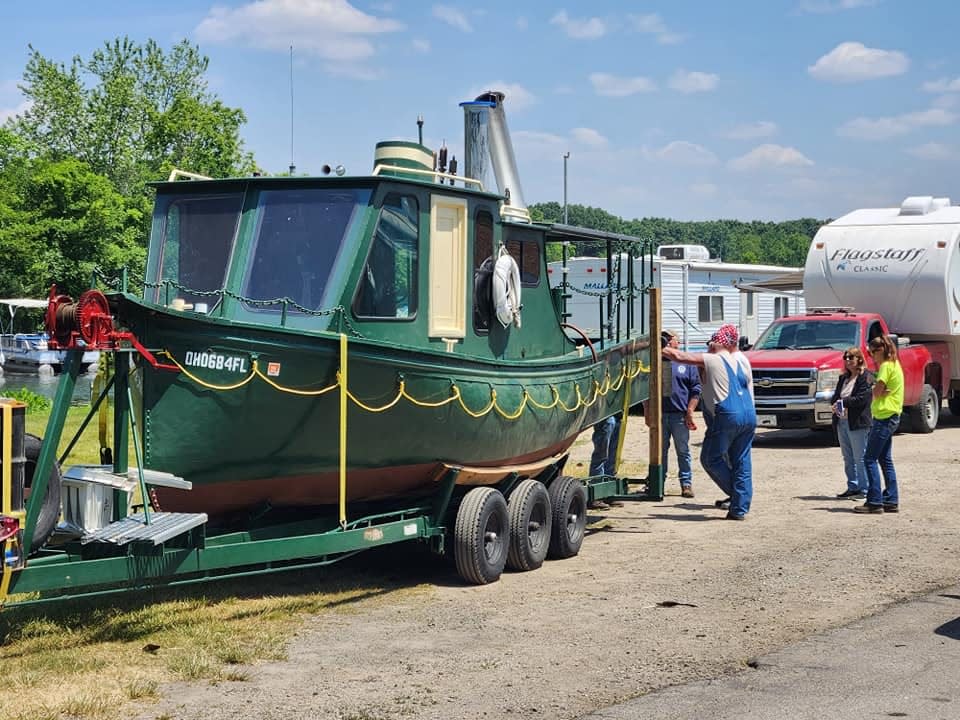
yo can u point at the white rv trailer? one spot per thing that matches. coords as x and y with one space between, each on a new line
902 263
698 294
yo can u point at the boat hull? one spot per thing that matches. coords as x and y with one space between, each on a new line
254 418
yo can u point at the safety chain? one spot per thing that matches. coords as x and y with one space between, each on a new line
599 389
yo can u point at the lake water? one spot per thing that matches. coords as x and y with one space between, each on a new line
46 386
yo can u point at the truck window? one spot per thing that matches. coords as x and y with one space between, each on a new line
808 334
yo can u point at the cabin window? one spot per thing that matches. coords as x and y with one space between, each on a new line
388 282
710 308
781 307
298 235
482 270
524 245
197 234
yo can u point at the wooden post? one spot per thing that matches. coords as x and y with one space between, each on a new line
655 479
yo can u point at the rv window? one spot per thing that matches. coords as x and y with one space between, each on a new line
781 307
524 245
195 245
710 308
750 310
388 281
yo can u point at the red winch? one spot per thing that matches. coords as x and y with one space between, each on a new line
88 324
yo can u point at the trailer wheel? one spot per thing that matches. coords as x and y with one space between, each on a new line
530 523
926 413
50 509
480 536
568 498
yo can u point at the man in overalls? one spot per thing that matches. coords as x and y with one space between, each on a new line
728 410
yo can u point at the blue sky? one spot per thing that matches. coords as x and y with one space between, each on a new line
747 109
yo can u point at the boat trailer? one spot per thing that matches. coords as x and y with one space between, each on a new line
110 540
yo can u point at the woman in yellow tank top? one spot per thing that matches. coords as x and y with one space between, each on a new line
886 408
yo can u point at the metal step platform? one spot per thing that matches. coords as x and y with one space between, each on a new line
163 526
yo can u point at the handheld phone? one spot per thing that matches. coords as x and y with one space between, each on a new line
840 407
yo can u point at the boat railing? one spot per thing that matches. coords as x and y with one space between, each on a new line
177 174
435 174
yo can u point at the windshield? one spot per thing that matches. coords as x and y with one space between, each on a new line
298 236
806 334
196 235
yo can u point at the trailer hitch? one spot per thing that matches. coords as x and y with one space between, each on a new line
88 324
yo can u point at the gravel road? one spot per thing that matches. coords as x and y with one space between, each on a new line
661 593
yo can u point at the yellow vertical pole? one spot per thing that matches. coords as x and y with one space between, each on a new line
655 479
343 430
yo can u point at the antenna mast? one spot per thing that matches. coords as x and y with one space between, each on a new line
293 167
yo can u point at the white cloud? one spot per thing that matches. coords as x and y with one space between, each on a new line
932 151
853 62
653 24
516 96
331 29
826 6
580 28
421 45
616 86
694 82
770 156
522 23
8 113
453 17
682 152
752 131
589 137
887 127
943 85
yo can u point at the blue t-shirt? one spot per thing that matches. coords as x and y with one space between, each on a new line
685 384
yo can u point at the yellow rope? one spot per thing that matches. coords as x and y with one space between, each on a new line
600 389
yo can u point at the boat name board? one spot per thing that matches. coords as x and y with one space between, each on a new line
215 361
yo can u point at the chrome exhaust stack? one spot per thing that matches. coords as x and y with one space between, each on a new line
489 151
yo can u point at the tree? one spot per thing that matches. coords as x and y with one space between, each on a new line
59 223
143 112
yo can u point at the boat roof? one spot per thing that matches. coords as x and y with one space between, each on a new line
24 302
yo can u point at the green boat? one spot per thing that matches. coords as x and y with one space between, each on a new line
305 343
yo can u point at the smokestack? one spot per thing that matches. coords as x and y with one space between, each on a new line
488 149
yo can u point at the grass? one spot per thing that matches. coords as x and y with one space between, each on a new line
87 450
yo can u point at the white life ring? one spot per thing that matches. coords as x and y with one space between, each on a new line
506 290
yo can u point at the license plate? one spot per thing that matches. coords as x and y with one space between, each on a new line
767 420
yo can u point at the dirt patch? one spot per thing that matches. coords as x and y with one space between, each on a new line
660 594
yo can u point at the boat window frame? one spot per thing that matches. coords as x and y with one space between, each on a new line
417 199
522 244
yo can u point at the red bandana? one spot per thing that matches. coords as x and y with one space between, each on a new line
726 335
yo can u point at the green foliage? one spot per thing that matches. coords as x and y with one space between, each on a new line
33 401
74 167
756 242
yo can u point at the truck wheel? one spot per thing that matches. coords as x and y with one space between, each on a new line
530 523
926 413
480 536
568 498
50 510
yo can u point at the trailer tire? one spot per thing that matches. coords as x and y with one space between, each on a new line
925 415
530 522
568 498
481 536
50 509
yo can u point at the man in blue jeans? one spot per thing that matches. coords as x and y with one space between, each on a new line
677 421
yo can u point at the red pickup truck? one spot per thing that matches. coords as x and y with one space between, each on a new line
798 360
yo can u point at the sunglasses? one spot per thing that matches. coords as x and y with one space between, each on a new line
851 357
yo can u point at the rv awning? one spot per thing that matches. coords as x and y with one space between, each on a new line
790 282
